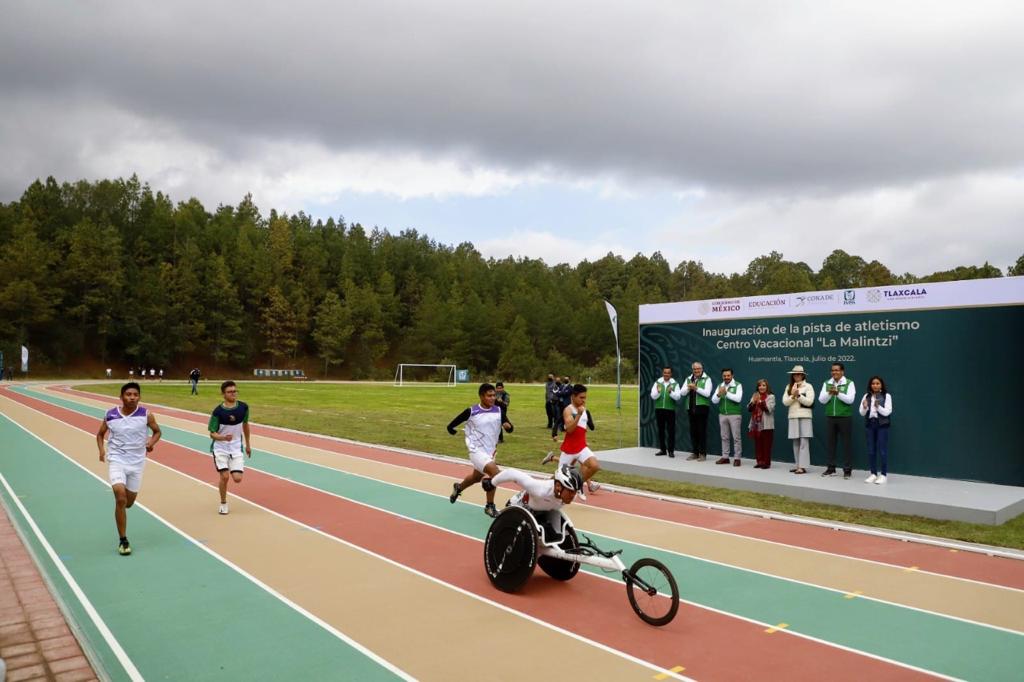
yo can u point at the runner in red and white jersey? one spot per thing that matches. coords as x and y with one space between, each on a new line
578 420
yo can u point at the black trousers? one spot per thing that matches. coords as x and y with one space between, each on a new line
552 410
699 429
836 428
666 427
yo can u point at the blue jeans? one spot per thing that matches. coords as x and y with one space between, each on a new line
878 445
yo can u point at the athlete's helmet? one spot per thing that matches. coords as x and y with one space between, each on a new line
569 478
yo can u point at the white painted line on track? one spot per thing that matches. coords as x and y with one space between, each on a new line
363 550
787 631
647 546
90 610
327 626
716 506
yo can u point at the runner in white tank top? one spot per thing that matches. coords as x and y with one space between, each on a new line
129 426
483 424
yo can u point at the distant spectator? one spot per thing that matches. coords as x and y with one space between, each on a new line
110 372
193 378
131 374
564 398
799 398
502 400
762 423
550 401
876 407
152 373
161 374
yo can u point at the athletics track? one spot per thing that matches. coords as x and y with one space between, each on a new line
346 561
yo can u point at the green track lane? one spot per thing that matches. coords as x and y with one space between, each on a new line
928 641
178 612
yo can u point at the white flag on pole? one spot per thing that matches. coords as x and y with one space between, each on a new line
24 359
615 323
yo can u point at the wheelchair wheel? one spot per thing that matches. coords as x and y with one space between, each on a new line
652 592
560 569
510 550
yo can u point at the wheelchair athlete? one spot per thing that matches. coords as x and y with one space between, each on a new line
544 499
537 494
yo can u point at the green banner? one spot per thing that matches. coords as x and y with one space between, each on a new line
953 374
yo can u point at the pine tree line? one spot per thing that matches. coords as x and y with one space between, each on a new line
118 273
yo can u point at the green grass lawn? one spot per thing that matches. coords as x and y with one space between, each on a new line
414 417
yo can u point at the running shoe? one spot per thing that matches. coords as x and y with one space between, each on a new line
223 509
123 548
456 491
880 480
593 487
548 457
870 479
490 510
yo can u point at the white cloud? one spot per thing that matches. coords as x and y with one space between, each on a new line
919 228
554 248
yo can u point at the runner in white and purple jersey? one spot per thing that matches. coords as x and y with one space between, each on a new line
129 428
483 425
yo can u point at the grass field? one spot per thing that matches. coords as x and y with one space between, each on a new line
414 417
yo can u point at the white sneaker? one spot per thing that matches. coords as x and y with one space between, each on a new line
870 479
880 480
548 457
593 487
223 509
583 496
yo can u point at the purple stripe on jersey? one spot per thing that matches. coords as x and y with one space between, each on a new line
115 413
476 409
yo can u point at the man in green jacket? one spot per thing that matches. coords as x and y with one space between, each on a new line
838 395
665 393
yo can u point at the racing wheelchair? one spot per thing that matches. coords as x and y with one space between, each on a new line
520 538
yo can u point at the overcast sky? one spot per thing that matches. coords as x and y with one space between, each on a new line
715 131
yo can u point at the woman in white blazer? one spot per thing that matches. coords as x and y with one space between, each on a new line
799 398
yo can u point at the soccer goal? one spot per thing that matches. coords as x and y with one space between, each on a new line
424 375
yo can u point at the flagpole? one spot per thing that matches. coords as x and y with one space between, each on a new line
613 315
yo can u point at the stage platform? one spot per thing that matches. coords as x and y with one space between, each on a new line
935 498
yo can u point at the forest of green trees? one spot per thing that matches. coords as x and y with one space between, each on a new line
113 273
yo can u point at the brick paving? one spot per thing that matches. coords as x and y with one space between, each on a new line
35 640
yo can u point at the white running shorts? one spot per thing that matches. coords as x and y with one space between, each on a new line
581 456
480 459
225 462
130 476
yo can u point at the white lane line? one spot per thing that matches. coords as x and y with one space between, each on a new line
90 610
327 626
68 392
363 550
452 532
795 581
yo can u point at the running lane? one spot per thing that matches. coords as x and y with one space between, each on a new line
727 642
169 606
906 555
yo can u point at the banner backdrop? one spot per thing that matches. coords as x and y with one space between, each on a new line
948 352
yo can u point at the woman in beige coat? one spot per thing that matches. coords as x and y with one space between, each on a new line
799 398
